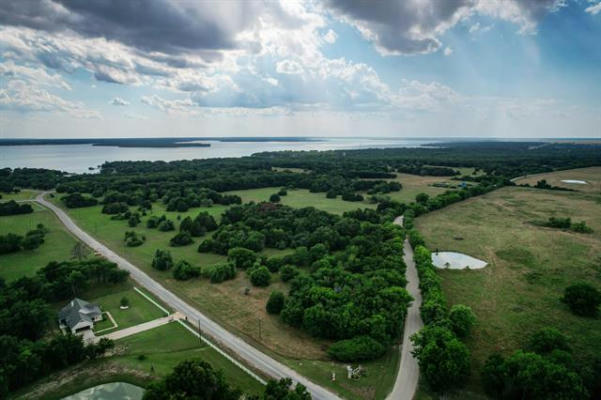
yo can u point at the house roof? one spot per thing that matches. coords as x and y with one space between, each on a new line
78 311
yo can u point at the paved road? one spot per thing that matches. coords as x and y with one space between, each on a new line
245 351
408 373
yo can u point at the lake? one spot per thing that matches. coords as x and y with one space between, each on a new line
77 158
109 391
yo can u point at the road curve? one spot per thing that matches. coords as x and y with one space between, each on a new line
245 351
407 378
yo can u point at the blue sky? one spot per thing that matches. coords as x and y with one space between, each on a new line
415 68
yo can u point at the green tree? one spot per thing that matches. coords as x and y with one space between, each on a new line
462 319
583 299
283 390
260 276
242 258
162 260
184 271
274 198
547 340
193 380
275 303
442 358
80 251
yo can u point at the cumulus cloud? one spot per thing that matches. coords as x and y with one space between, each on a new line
448 51
21 96
118 101
594 9
402 27
34 75
330 37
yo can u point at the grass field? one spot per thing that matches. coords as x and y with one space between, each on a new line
519 292
591 175
415 184
25 194
140 310
299 198
57 244
141 359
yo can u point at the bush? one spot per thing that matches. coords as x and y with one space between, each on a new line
124 302
10 243
166 225
462 319
274 198
288 272
75 200
222 272
132 239
114 208
242 258
260 276
181 239
184 271
14 208
274 264
360 348
582 299
275 303
547 340
162 260
283 192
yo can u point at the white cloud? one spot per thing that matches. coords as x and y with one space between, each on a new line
330 37
23 97
448 51
37 76
594 9
118 101
179 106
288 67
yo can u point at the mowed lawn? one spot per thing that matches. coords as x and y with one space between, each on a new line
25 194
140 310
56 247
299 198
591 175
519 292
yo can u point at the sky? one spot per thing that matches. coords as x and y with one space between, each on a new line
383 68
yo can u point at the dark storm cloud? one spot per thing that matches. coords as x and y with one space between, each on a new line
150 25
406 27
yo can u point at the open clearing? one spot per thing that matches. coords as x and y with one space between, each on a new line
592 176
416 184
299 198
25 194
529 266
57 243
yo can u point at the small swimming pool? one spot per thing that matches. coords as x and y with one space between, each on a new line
109 391
454 260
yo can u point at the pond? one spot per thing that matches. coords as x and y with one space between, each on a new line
109 391
575 181
454 260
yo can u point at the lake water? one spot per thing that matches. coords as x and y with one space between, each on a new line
78 158
109 391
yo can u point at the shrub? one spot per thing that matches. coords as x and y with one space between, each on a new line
547 340
114 208
75 200
283 192
10 243
132 239
275 303
462 319
13 208
288 272
184 271
166 225
360 348
274 264
162 260
582 298
124 302
260 276
222 272
274 198
242 258
180 239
